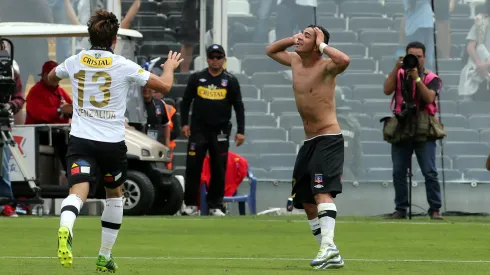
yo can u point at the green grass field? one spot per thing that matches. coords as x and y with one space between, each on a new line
251 245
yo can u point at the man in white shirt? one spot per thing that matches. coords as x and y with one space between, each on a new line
100 81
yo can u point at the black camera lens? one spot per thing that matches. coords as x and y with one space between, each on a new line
410 61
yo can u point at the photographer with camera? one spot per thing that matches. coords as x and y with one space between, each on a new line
12 107
413 128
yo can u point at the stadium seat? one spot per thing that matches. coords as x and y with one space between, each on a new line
328 8
259 173
360 23
181 78
485 136
461 10
378 175
258 119
269 92
266 133
461 24
386 64
370 134
297 134
251 65
362 65
376 148
339 36
145 7
361 8
249 91
459 38
283 174
255 105
181 145
173 21
249 198
461 135
272 147
241 50
378 50
353 50
333 23
353 79
470 162
376 161
283 105
288 120
365 120
448 106
468 108
180 159
368 37
354 104
268 161
450 79
478 175
239 8
267 78
363 92
478 122
242 78
454 149
372 106
450 94
394 9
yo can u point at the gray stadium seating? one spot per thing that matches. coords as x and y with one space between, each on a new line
368 92
478 175
283 105
478 122
255 105
266 133
361 8
268 161
468 162
454 149
360 23
288 120
269 92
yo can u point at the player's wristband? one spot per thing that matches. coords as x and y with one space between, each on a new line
418 79
322 47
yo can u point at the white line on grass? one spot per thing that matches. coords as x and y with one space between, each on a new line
255 259
285 220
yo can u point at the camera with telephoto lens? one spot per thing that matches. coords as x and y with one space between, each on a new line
7 79
408 107
410 61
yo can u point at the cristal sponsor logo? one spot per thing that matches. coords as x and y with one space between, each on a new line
211 93
94 62
96 114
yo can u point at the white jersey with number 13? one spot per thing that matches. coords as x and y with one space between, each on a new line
100 83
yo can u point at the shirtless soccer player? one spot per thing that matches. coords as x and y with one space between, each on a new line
319 164
100 81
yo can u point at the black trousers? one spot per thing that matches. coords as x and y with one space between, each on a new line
216 141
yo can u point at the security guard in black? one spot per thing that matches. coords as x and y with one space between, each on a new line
214 92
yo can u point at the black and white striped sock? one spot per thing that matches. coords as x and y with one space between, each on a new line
111 223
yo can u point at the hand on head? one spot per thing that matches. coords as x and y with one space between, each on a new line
320 37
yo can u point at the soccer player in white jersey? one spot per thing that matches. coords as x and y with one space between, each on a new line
100 81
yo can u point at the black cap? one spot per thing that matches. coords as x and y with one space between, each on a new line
215 48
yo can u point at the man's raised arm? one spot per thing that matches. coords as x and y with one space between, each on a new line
339 61
277 50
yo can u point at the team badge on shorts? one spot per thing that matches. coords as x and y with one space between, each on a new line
318 181
224 82
80 167
112 177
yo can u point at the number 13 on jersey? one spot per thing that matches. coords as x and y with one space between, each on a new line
104 88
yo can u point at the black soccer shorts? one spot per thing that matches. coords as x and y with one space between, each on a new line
318 169
92 161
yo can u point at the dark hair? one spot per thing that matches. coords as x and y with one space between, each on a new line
415 45
325 32
102 28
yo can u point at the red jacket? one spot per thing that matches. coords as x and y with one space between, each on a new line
42 104
236 171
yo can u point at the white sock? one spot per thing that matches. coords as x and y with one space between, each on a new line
315 229
327 212
70 208
111 222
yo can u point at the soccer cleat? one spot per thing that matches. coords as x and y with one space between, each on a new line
189 211
216 212
334 263
325 253
105 265
64 247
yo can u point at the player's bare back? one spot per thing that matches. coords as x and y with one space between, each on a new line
315 99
